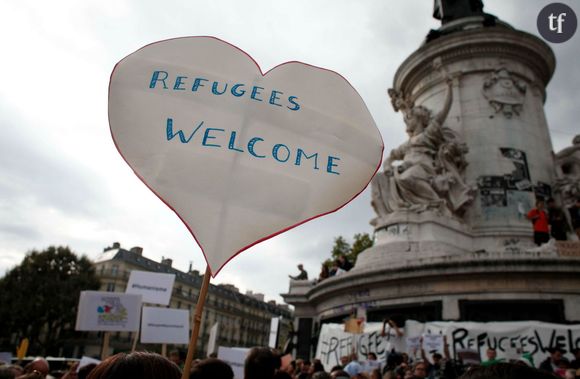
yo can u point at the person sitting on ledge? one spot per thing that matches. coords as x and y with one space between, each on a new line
303 274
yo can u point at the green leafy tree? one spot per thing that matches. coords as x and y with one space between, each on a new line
362 241
39 298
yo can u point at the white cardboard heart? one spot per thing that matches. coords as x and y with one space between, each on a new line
239 156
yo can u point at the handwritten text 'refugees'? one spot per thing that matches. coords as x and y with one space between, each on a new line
256 146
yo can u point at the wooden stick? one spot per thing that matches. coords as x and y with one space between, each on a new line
136 337
196 324
105 351
164 350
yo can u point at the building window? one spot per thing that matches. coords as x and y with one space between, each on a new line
179 305
110 287
114 270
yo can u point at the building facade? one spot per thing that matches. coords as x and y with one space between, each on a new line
244 319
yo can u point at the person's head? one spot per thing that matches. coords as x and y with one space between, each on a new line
339 374
282 375
551 203
317 366
137 365
437 358
86 370
177 357
306 366
40 365
6 373
344 360
556 355
420 370
506 371
300 267
342 259
491 353
261 363
371 356
212 368
540 204
405 357
570 374
321 375
375 374
16 369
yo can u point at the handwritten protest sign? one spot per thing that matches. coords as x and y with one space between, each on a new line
529 337
155 288
432 342
238 154
108 311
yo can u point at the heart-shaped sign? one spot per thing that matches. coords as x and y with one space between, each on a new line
239 155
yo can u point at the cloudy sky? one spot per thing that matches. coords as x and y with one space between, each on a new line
62 182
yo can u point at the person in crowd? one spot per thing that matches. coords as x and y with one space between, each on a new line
261 363
303 275
551 364
491 355
321 375
557 221
344 263
575 363
137 365
375 374
354 367
316 366
344 360
442 367
505 371
6 373
336 270
177 357
575 217
16 369
212 368
324 273
420 370
39 365
539 219
85 371
339 374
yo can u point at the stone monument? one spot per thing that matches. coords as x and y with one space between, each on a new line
452 241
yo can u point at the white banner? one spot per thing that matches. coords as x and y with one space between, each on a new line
213 335
528 337
274 325
108 311
235 357
155 288
165 325
240 155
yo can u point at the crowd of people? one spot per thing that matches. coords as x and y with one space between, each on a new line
551 221
266 363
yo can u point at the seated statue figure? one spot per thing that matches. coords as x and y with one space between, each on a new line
429 176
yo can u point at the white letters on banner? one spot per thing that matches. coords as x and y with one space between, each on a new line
108 311
165 325
529 337
238 154
155 288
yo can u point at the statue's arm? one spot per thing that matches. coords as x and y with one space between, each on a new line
442 115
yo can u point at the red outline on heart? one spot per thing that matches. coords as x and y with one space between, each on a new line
263 75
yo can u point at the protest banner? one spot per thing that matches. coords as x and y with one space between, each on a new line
155 288
213 335
274 327
108 311
235 357
527 337
164 325
432 343
5 357
219 141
